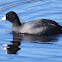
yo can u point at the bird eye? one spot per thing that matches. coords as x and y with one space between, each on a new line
7 16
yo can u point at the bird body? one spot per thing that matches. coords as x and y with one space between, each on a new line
37 27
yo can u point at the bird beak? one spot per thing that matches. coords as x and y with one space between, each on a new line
4 18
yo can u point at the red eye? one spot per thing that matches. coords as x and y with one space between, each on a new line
7 15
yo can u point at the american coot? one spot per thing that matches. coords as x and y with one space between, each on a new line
37 27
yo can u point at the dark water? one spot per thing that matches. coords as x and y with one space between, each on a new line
26 48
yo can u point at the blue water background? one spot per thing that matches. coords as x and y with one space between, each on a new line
30 49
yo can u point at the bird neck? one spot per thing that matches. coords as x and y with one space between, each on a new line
16 23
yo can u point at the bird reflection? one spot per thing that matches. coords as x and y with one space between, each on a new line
34 38
13 48
18 38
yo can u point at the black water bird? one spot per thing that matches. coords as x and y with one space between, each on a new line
37 27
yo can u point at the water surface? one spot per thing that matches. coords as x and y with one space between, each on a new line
27 48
